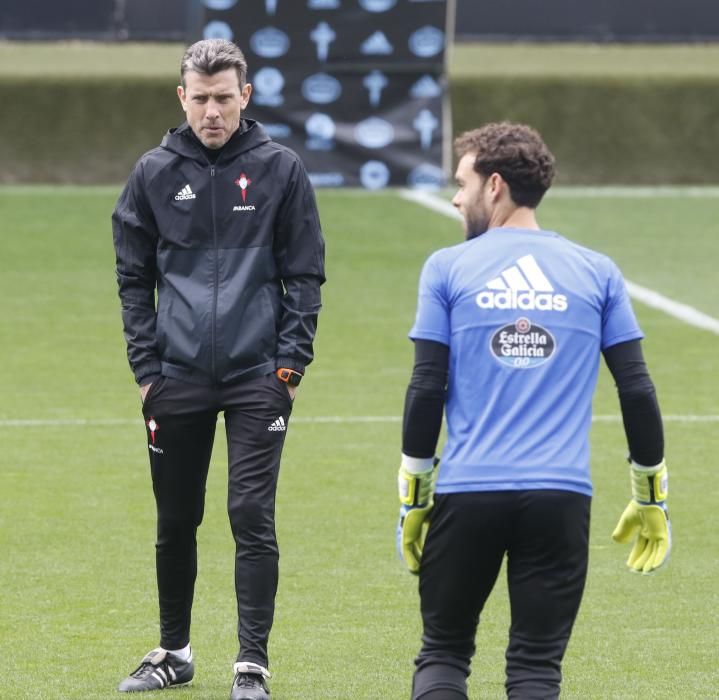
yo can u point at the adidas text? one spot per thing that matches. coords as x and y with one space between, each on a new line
185 193
247 207
526 300
278 425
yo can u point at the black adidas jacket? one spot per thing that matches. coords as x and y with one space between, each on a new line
236 255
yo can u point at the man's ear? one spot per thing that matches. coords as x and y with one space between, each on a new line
182 96
496 185
246 92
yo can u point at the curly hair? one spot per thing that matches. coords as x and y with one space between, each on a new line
515 151
210 56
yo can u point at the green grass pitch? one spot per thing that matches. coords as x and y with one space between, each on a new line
77 598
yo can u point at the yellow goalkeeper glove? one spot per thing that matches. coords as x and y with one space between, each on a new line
647 518
416 497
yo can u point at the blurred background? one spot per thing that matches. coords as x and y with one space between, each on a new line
370 92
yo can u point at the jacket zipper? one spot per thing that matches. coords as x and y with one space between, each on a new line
216 280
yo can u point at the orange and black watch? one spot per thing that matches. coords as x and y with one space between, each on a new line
289 376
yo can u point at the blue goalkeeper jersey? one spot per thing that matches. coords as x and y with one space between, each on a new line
525 314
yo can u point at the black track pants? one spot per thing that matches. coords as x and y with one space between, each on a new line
545 537
180 419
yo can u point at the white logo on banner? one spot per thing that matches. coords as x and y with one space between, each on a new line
426 177
378 5
376 44
270 42
323 4
320 131
268 84
374 133
375 82
219 4
374 175
321 88
323 35
326 179
425 122
278 131
426 87
217 30
427 41
271 6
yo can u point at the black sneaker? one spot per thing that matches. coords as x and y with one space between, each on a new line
159 669
249 683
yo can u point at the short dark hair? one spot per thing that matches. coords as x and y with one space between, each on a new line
515 151
211 56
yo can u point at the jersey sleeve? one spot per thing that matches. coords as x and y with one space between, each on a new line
432 321
619 324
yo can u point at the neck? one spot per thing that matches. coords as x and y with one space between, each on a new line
515 217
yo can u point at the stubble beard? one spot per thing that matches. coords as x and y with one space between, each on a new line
476 223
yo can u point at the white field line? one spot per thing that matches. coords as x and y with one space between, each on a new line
683 312
348 420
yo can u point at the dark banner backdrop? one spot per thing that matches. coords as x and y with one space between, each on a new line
506 20
356 87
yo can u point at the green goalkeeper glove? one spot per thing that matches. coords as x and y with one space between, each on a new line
647 518
416 497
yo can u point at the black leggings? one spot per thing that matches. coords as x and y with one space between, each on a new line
545 537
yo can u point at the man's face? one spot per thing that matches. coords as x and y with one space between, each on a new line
213 104
471 200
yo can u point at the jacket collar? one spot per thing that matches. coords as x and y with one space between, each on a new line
181 140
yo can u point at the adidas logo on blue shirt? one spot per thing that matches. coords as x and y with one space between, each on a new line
522 286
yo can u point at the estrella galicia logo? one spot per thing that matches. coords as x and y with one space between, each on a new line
374 133
427 41
321 88
522 344
268 83
374 175
426 177
217 30
378 5
320 130
219 4
270 42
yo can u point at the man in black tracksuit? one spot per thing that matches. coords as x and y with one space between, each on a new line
221 224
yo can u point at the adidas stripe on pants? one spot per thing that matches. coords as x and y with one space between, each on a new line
181 420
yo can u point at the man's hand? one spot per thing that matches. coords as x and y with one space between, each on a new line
143 391
646 518
416 496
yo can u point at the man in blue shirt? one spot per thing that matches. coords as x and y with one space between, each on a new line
509 330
